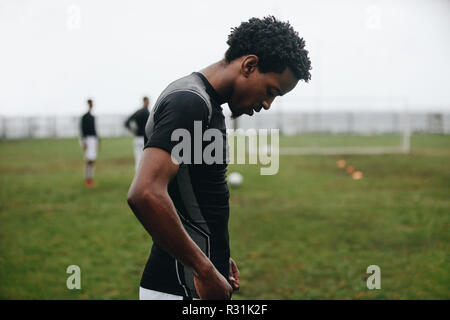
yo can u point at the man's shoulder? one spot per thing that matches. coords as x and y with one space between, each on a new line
188 90
191 83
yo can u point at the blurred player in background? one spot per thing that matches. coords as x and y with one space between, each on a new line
184 205
90 143
136 124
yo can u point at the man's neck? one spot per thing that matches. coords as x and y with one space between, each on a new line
221 78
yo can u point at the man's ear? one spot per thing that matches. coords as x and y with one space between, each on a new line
249 65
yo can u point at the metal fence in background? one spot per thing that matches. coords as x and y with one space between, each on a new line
59 127
289 123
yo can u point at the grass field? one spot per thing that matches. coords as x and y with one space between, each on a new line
308 232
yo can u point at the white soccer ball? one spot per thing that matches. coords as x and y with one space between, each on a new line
235 179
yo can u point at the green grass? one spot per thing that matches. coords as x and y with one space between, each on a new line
342 140
308 232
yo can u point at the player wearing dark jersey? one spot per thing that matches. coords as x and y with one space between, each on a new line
89 142
136 124
184 203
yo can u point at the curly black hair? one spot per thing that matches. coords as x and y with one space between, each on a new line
276 44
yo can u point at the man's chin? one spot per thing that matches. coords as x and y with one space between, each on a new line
235 115
237 112
234 112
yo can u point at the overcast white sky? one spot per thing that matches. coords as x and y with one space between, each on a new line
56 53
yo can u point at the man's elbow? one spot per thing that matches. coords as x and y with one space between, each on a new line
134 198
141 198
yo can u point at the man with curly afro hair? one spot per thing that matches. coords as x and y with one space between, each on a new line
183 202
267 58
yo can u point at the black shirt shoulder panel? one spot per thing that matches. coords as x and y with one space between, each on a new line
178 110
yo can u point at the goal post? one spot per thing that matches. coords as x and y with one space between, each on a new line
336 126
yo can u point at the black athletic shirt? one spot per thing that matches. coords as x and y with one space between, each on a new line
198 191
87 125
140 117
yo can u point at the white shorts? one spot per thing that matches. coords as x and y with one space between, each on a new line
147 294
91 148
138 148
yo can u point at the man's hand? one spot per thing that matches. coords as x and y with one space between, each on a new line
84 146
234 275
212 286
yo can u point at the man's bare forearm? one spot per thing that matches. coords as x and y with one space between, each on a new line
158 215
